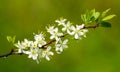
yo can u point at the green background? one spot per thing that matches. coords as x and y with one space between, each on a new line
99 52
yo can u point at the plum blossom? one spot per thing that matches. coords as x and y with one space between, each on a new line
46 53
50 29
39 40
61 21
33 53
78 31
22 45
55 35
61 45
67 27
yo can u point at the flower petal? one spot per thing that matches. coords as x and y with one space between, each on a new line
47 58
65 41
76 36
72 27
51 53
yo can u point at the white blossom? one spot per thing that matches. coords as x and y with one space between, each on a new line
61 21
55 35
23 45
61 45
67 27
33 53
26 43
38 37
46 53
34 44
78 31
50 29
39 40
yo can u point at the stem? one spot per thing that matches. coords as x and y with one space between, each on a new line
95 26
13 51
52 41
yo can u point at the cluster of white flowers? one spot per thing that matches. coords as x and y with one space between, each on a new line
39 48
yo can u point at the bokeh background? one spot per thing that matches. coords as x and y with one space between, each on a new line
99 52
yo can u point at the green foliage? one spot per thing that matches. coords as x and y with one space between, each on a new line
105 12
11 39
90 16
93 17
105 24
108 17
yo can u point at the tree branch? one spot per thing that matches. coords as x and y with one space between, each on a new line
13 51
87 27
52 41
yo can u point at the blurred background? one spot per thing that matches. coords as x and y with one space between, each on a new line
99 52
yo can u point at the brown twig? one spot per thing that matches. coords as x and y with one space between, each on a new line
13 52
95 26
52 41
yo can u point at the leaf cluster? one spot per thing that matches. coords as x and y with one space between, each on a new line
93 17
11 39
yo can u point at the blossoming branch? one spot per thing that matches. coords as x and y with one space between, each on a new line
39 48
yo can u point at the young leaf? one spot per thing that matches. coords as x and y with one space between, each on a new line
105 24
108 17
105 12
14 37
96 15
92 12
11 39
83 17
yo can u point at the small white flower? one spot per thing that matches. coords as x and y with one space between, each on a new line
39 40
34 44
23 45
33 53
61 21
46 53
55 35
61 45
38 37
67 27
50 29
20 47
78 31
27 43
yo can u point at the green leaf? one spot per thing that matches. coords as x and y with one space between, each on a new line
11 39
83 18
105 24
88 17
96 15
92 12
105 12
108 17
